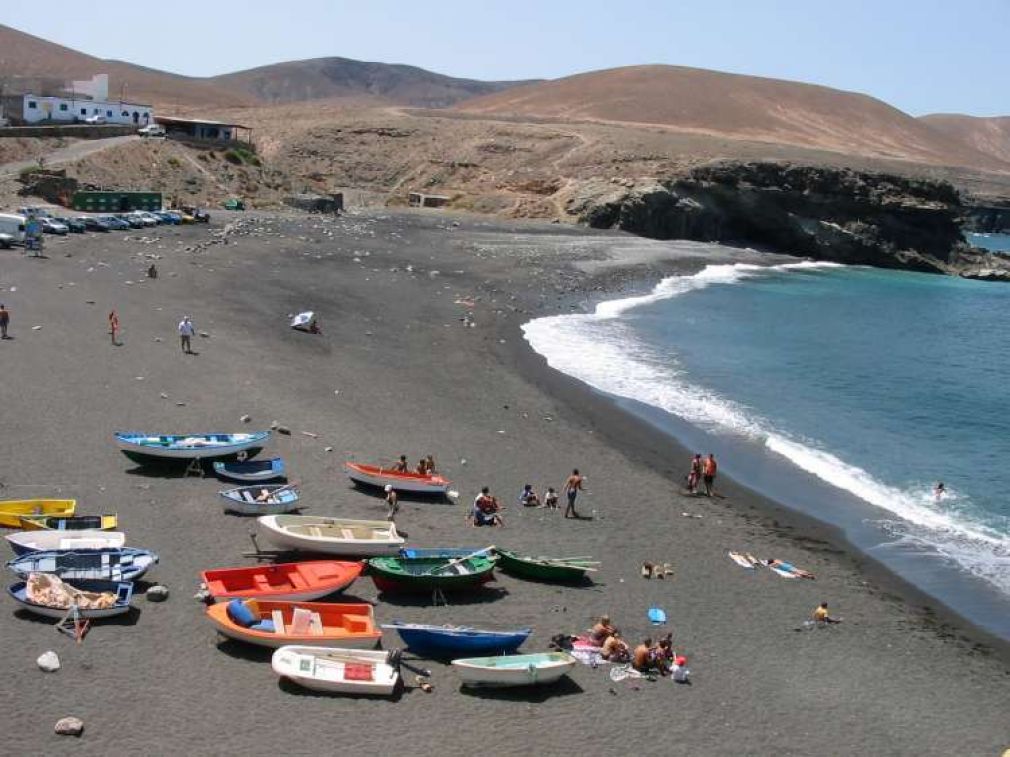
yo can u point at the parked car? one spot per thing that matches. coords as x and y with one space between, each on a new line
168 217
95 119
152 130
199 215
117 224
95 224
146 218
6 241
131 221
75 225
30 211
52 226
13 226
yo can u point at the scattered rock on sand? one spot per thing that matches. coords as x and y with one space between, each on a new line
157 593
245 418
205 335
49 661
69 726
284 430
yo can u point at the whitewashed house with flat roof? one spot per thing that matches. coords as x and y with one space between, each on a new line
86 100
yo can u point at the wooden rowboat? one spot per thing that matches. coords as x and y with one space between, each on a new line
251 470
143 448
374 475
11 510
514 670
97 564
449 641
543 568
23 542
333 536
315 624
114 596
262 499
296 581
336 670
430 573
69 522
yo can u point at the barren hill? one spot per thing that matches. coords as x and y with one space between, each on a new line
988 135
30 61
738 107
323 78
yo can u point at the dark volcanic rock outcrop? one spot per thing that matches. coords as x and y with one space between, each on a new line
823 213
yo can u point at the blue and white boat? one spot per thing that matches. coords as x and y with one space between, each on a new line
143 448
124 564
60 595
446 641
269 499
25 542
251 470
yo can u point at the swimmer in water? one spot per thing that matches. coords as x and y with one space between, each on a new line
940 491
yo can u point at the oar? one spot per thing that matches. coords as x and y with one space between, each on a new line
456 561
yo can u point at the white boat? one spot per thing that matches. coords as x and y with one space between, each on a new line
514 669
376 476
336 670
263 499
51 597
332 536
141 447
23 542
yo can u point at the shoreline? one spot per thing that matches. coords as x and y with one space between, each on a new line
655 447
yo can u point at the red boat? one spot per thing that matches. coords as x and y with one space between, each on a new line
294 582
374 475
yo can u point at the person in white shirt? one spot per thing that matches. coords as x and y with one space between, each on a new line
186 332
679 670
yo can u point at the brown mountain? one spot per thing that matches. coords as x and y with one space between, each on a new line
322 78
739 107
30 62
988 135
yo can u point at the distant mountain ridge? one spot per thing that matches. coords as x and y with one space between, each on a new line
990 135
323 78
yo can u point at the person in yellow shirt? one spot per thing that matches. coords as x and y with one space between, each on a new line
821 615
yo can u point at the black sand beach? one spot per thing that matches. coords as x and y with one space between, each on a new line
397 370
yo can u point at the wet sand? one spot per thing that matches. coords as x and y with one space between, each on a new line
397 370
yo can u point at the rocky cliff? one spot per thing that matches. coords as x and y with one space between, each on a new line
818 212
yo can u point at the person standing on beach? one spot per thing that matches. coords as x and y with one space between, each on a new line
709 469
186 332
114 327
694 474
571 488
5 319
393 501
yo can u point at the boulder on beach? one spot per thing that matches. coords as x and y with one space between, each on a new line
69 726
49 661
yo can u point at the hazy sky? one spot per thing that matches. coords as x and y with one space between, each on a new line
922 56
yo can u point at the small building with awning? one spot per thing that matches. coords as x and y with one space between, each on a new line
204 130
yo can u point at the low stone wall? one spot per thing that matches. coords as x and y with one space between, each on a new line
80 131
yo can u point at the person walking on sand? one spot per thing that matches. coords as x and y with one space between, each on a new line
114 328
186 332
5 319
393 501
694 474
572 486
709 469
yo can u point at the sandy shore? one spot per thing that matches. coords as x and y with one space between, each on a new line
396 370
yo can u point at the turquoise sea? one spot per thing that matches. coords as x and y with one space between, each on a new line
845 392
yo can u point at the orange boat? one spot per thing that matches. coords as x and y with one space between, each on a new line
315 624
293 581
374 475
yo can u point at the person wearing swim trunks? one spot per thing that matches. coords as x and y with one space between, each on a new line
694 475
821 615
615 649
401 465
709 470
571 488
603 630
642 660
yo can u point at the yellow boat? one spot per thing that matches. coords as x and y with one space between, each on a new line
69 522
11 510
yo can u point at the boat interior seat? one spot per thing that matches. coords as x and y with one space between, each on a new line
295 579
356 623
315 531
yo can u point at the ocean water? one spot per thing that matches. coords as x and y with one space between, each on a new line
845 392
993 242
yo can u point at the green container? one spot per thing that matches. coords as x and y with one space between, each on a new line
116 202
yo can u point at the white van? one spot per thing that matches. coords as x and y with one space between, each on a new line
13 226
152 130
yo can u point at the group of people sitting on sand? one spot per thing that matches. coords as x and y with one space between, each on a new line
647 658
487 510
425 466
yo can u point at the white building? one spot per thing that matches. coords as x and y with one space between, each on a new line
37 109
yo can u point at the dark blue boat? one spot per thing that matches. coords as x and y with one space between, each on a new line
449 641
123 564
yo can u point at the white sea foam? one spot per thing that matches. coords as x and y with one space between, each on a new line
600 350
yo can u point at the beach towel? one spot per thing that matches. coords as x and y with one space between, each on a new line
783 572
742 560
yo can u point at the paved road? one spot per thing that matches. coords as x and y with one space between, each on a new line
67 154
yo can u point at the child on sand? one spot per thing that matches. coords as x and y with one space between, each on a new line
551 498
821 616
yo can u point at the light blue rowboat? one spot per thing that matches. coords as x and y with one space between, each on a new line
251 470
143 448
125 564
514 670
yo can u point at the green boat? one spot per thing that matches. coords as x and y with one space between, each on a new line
544 568
430 573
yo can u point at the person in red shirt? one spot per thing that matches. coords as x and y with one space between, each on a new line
708 473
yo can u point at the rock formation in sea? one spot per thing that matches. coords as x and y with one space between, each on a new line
834 214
